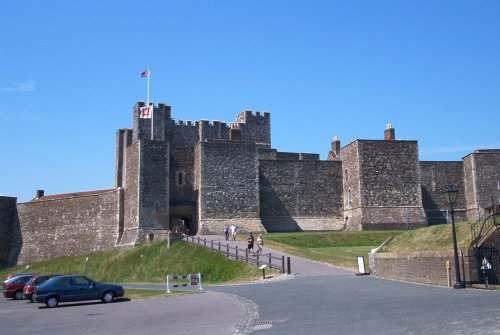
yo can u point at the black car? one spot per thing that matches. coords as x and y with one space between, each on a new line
75 288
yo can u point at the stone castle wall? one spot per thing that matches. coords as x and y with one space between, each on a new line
381 185
435 178
9 230
154 186
390 184
212 173
255 128
68 226
482 181
422 267
285 189
351 186
227 184
131 195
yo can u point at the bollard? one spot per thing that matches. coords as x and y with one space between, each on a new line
282 264
258 260
236 252
270 266
263 268
227 251
289 270
219 246
205 242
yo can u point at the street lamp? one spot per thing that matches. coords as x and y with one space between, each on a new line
451 197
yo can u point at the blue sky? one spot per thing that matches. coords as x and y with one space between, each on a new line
70 75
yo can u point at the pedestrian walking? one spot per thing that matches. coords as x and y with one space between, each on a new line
226 231
260 243
234 230
250 242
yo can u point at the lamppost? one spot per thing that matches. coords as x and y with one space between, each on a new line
451 197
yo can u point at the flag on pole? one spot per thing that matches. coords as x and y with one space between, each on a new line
145 74
145 112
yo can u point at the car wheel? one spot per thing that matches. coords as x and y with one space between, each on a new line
108 297
52 302
18 295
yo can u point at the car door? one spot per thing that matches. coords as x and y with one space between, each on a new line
85 287
65 290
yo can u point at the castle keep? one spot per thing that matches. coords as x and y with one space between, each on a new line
201 175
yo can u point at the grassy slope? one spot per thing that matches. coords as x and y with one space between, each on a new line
433 238
339 248
127 265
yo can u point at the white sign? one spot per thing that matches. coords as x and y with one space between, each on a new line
361 264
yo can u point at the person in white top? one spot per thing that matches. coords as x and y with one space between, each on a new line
260 243
233 229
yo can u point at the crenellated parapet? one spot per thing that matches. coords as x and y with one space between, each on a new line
160 118
213 130
254 127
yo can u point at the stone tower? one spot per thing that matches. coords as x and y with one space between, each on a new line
381 184
142 166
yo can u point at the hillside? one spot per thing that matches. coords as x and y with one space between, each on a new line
433 238
147 263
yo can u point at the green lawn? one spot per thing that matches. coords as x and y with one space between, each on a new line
338 248
148 263
433 238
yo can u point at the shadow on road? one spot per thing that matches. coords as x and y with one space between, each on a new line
87 303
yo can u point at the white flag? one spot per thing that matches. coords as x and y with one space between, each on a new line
145 112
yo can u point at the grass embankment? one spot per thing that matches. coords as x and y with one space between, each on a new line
338 248
433 238
148 263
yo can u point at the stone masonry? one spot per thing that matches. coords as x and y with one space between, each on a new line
198 176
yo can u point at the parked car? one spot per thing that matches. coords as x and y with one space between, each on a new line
29 288
75 288
11 275
13 287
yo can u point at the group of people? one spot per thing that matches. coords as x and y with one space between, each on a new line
250 243
231 231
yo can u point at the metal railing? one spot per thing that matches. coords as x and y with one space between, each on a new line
240 254
482 228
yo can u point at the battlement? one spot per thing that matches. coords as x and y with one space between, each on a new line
249 116
188 123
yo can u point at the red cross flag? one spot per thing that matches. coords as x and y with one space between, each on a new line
145 74
145 112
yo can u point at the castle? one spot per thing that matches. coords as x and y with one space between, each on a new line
202 175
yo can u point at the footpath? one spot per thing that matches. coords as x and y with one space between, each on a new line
299 266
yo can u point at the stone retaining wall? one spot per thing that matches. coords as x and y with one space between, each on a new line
428 267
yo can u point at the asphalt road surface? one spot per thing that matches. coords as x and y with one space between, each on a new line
323 304
317 299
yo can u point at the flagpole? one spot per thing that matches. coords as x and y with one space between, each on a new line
152 109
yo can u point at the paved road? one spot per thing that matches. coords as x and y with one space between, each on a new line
319 299
208 313
366 305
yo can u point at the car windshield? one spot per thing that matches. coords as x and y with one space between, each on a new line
50 281
30 282
12 280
